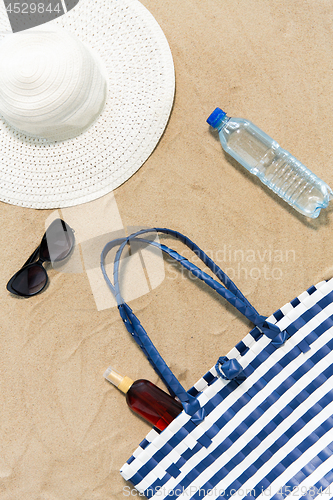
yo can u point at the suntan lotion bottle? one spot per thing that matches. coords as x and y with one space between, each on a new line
146 399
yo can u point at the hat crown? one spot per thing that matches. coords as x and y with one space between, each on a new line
51 85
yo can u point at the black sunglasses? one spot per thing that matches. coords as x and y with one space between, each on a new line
57 243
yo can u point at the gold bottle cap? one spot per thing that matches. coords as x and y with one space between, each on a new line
123 383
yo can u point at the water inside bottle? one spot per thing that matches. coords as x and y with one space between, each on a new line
280 171
287 178
248 146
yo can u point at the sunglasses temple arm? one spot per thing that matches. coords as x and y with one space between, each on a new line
32 257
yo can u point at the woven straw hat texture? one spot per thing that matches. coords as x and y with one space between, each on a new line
38 173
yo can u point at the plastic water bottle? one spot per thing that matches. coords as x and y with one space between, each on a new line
275 167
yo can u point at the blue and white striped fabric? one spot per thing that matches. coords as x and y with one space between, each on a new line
268 435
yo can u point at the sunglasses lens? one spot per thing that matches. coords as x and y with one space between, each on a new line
29 280
57 242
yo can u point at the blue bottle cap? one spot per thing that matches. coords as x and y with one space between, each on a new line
216 118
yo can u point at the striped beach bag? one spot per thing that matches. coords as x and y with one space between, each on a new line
259 423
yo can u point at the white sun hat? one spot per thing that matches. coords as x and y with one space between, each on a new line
84 100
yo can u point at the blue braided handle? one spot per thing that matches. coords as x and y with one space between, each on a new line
229 291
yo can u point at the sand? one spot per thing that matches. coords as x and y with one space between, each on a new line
65 432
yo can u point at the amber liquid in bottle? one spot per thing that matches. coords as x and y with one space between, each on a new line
146 399
153 404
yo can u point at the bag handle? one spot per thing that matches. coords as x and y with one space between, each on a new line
228 290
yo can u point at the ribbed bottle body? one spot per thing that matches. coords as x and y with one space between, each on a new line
276 167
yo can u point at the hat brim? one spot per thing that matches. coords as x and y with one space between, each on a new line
35 173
